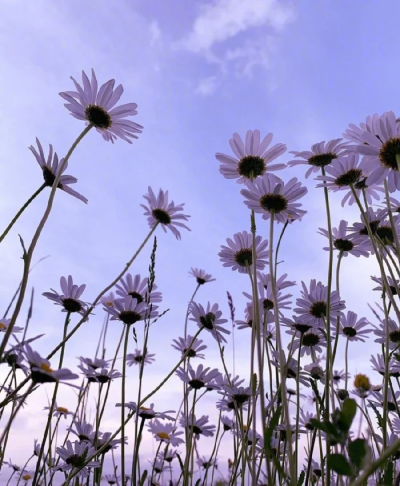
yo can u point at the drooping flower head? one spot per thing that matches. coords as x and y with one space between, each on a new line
252 157
97 106
160 211
269 194
379 142
321 155
51 168
239 254
210 319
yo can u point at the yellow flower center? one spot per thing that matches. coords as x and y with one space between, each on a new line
26 477
62 410
163 435
3 327
110 304
144 408
46 368
362 382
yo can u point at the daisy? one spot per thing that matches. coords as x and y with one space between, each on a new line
312 342
374 219
105 439
129 311
205 463
148 413
393 284
51 168
316 371
197 426
378 364
342 394
4 324
265 280
97 106
313 304
138 357
381 149
337 376
297 324
210 319
12 465
238 394
392 400
199 378
346 171
353 329
160 211
108 299
165 433
94 363
292 369
227 423
394 206
267 319
182 345
305 420
69 299
266 299
26 475
138 289
223 380
394 333
75 457
41 371
321 155
252 157
270 194
59 411
112 479
99 375
344 243
83 430
201 276
239 254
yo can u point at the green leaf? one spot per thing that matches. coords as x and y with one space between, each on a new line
388 476
339 464
143 478
301 478
377 413
347 414
271 427
358 449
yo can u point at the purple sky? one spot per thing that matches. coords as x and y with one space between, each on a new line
199 71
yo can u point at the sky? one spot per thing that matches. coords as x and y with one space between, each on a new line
199 71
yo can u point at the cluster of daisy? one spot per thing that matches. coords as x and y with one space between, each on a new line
298 397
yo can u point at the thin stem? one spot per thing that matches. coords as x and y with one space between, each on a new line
14 220
27 257
123 401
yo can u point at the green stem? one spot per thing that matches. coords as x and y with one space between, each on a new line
14 220
123 401
27 257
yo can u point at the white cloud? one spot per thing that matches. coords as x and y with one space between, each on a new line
155 32
207 86
224 19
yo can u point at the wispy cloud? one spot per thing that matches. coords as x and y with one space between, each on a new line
236 36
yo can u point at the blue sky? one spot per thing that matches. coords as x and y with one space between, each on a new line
199 71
